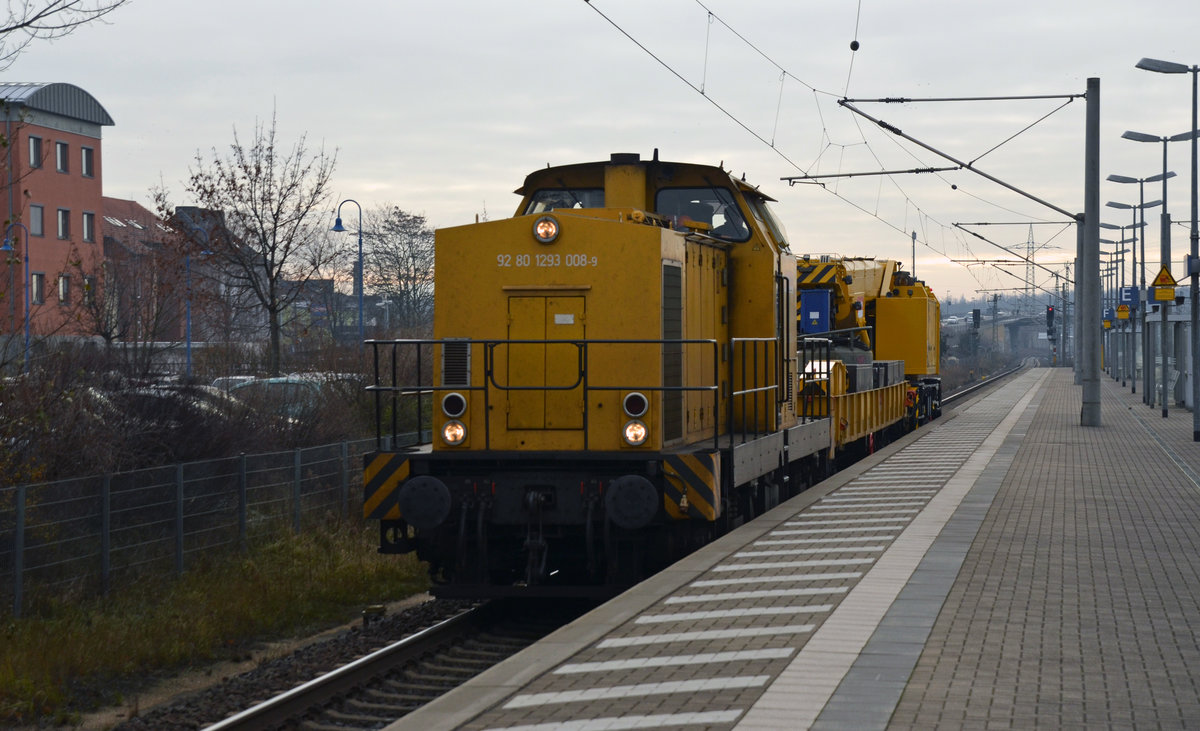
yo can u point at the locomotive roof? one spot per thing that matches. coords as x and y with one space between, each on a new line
592 173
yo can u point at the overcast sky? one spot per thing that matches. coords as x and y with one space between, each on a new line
441 108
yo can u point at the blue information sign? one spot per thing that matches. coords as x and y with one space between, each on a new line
1128 296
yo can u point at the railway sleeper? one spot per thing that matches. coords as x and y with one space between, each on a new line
469 664
451 668
444 676
317 725
397 695
406 699
360 720
371 709
420 683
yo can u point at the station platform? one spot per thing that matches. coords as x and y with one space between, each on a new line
1002 567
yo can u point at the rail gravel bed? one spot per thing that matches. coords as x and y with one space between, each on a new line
228 697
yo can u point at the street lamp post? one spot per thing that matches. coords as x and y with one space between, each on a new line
1118 288
1168 67
1165 243
187 265
8 248
358 273
1147 371
1130 327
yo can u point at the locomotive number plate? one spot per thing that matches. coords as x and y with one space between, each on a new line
546 260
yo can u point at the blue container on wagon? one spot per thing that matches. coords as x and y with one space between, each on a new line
814 312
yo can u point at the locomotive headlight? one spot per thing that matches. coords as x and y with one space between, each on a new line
545 229
635 433
635 404
454 405
454 432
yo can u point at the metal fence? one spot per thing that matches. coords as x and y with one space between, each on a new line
83 536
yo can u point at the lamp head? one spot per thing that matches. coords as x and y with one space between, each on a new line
1114 204
337 225
1121 179
7 246
1162 67
1141 137
1161 176
1185 136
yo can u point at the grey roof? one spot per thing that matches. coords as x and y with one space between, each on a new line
66 100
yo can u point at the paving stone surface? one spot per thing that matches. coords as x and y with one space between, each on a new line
1078 603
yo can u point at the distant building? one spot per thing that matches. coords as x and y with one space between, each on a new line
143 297
229 309
52 187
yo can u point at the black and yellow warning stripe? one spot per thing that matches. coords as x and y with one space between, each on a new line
816 273
382 474
693 488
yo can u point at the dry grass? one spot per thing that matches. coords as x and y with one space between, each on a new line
73 657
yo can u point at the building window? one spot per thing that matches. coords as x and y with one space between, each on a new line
37 226
89 226
64 289
37 288
62 153
64 223
35 152
87 166
89 290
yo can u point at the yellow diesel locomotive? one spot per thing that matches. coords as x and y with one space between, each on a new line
617 376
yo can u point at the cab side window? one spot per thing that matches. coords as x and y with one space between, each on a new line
548 199
716 207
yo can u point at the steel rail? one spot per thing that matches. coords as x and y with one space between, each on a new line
318 691
968 390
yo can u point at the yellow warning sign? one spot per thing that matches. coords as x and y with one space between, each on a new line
1164 279
1122 312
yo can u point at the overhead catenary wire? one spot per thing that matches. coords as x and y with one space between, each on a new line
773 143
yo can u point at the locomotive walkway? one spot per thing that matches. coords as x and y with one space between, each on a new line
1003 567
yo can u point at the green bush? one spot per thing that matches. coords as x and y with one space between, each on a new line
62 661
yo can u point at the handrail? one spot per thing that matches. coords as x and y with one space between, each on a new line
585 348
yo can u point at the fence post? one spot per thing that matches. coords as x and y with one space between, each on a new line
296 493
345 479
105 533
179 518
242 507
19 552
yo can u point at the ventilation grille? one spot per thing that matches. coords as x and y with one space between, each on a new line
672 329
456 364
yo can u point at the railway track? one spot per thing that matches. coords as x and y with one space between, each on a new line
960 394
390 683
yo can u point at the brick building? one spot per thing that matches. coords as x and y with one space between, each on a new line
52 183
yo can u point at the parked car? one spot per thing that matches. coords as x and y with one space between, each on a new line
292 397
227 382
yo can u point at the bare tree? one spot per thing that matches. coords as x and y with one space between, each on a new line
30 20
271 200
135 302
399 266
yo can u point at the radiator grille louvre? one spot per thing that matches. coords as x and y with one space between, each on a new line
456 364
672 329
